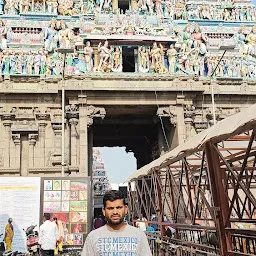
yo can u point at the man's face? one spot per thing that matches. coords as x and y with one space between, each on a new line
115 212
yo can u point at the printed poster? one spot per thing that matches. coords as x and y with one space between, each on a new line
67 200
19 200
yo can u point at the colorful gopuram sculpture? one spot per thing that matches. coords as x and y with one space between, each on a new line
29 43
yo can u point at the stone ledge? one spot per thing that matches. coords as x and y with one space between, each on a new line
9 170
53 169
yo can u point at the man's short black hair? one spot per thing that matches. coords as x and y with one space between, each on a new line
47 216
113 195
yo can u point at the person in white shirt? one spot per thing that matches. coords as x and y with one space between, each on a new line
48 236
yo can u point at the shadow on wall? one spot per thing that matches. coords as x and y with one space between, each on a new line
19 239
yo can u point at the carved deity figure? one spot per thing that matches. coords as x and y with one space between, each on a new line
251 38
3 32
6 62
52 6
157 61
104 5
50 37
64 35
11 7
30 62
117 59
199 40
88 51
143 59
105 57
171 54
24 6
186 39
240 39
37 63
65 7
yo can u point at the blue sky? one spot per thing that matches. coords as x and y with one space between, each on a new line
118 164
254 2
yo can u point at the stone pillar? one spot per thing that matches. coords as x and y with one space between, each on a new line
86 115
83 141
90 150
57 143
7 140
188 119
42 115
32 142
180 128
16 140
41 142
200 121
73 147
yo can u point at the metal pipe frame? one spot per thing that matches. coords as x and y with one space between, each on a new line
214 187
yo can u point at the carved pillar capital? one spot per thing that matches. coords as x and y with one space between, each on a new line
92 111
189 113
72 111
16 139
168 112
73 121
32 139
200 121
7 122
42 113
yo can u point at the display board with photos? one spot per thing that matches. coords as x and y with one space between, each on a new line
67 200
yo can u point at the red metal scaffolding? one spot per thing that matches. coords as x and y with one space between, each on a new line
207 190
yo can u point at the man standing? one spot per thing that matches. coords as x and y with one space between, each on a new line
116 236
8 235
48 236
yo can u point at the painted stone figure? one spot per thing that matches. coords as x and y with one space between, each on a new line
37 63
171 54
3 33
157 61
105 57
6 62
30 62
88 51
240 40
24 6
251 38
199 40
117 59
143 57
50 37
11 7
186 39
64 35
69 63
65 7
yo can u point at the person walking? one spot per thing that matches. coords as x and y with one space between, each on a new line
59 244
116 237
48 236
8 235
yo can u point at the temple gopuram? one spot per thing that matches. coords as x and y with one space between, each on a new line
140 74
100 182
